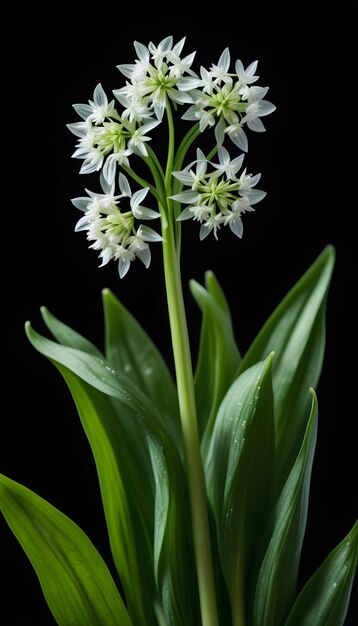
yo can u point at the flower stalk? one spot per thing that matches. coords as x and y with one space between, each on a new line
187 407
194 467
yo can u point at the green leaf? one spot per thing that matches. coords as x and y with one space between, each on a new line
239 469
67 336
276 584
131 351
296 333
119 440
76 582
116 427
173 549
218 354
119 447
324 599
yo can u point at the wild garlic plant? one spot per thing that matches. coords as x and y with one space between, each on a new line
233 443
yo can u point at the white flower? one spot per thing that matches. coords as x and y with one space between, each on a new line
257 107
246 77
154 77
98 109
179 66
105 200
188 176
219 197
139 137
112 230
124 256
138 69
247 182
110 166
213 223
136 246
135 90
233 216
160 52
237 135
220 71
197 212
141 212
92 159
135 108
226 100
226 165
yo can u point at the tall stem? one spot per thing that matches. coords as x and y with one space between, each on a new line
185 384
194 467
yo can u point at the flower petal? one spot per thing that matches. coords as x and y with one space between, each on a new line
99 97
186 197
81 203
148 234
224 61
256 125
137 198
144 255
237 227
141 51
83 110
124 185
143 213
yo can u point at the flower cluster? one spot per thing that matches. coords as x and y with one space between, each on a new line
227 100
112 230
218 197
107 138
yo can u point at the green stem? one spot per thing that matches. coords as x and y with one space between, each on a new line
142 182
185 384
194 467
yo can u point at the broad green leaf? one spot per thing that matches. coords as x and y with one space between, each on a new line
116 422
239 469
132 498
218 354
296 333
324 599
130 350
100 375
76 582
276 584
67 336
173 550
122 460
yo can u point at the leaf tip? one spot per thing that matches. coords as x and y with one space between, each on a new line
209 277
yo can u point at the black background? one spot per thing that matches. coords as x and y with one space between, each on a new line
307 164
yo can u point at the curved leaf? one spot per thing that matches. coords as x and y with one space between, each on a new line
76 582
324 599
131 351
66 335
296 333
218 354
239 469
119 447
129 502
276 584
117 428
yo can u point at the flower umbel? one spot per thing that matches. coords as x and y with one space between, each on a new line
227 101
161 79
218 197
112 231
